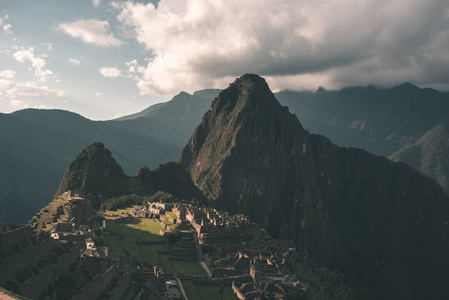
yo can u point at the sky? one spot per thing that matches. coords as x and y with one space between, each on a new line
105 59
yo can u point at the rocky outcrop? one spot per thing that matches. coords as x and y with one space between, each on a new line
94 171
354 212
95 174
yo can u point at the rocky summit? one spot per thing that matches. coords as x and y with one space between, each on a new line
96 174
381 224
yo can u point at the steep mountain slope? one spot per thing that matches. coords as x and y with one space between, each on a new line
354 212
380 121
37 145
173 121
429 154
94 173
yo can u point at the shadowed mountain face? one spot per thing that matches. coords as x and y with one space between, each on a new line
95 173
391 122
37 145
429 153
360 214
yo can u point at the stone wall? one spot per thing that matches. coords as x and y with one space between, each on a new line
66 260
122 286
13 265
35 286
98 285
7 238
4 227
237 292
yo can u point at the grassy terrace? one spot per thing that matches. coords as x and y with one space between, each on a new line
170 224
171 214
124 236
206 292
128 233
114 214
44 219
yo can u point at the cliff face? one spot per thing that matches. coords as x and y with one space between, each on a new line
380 223
94 172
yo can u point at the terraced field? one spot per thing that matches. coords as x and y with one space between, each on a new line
142 237
54 212
206 292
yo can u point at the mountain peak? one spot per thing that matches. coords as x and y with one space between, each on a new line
243 116
93 171
250 155
249 84
250 92
250 79
406 87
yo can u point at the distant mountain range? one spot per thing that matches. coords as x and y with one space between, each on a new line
37 145
173 121
404 123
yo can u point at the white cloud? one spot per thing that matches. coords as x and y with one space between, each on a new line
91 31
134 71
18 103
5 85
22 104
8 74
95 3
133 67
30 89
74 61
4 25
49 46
198 44
37 63
98 94
110 72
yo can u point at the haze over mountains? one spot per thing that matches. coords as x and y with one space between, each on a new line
37 145
172 121
405 123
